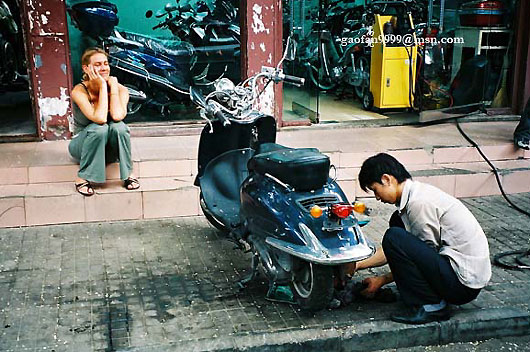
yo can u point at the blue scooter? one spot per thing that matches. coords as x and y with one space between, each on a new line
277 202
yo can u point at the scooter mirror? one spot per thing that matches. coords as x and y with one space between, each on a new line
290 49
197 97
224 84
169 7
149 14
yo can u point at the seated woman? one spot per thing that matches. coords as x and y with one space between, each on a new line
100 135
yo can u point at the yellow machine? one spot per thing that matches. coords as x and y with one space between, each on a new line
393 65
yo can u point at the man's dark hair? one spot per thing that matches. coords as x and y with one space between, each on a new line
375 166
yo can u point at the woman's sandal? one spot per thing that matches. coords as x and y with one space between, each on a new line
89 189
131 183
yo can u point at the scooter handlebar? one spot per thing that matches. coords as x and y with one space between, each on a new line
297 81
221 117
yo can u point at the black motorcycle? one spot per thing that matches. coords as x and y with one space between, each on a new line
213 31
11 62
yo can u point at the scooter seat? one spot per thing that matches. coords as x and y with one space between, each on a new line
304 169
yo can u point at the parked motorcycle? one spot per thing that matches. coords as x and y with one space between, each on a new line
212 31
10 60
336 51
156 72
277 202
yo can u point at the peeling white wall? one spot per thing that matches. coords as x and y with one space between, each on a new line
257 20
265 103
54 107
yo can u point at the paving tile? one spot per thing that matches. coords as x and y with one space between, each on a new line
348 187
54 210
13 175
112 171
476 185
51 189
51 173
126 205
165 168
165 183
12 191
446 183
412 157
17 154
345 173
12 212
180 202
502 152
334 158
354 159
516 182
455 155
359 193
52 153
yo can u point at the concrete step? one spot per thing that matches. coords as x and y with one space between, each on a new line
36 179
42 203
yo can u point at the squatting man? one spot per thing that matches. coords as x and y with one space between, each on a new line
436 250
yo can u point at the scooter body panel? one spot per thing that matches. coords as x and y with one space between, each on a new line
218 139
220 185
281 217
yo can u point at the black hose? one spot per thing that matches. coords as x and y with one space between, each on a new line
520 254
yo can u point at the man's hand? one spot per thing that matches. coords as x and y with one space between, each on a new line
374 283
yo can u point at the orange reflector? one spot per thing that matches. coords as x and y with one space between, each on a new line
316 211
359 207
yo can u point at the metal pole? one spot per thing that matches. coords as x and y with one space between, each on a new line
429 20
442 10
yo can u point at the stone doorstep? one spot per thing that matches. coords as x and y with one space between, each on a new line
413 158
159 197
57 203
464 326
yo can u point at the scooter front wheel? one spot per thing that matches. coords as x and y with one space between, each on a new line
312 285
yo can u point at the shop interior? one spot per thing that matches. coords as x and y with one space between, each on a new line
16 116
462 54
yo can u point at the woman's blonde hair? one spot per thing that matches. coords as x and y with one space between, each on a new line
85 58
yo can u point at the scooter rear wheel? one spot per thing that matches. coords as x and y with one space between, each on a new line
312 285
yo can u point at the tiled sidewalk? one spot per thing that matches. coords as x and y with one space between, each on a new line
169 285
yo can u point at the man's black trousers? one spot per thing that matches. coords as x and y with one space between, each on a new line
422 275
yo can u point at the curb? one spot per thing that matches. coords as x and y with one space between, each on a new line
464 326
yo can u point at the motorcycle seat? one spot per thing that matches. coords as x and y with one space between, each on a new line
165 46
304 169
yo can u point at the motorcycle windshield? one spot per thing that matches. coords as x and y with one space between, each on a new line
237 135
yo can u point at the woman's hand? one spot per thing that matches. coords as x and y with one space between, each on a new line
95 81
113 82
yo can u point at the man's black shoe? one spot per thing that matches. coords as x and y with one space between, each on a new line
420 316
